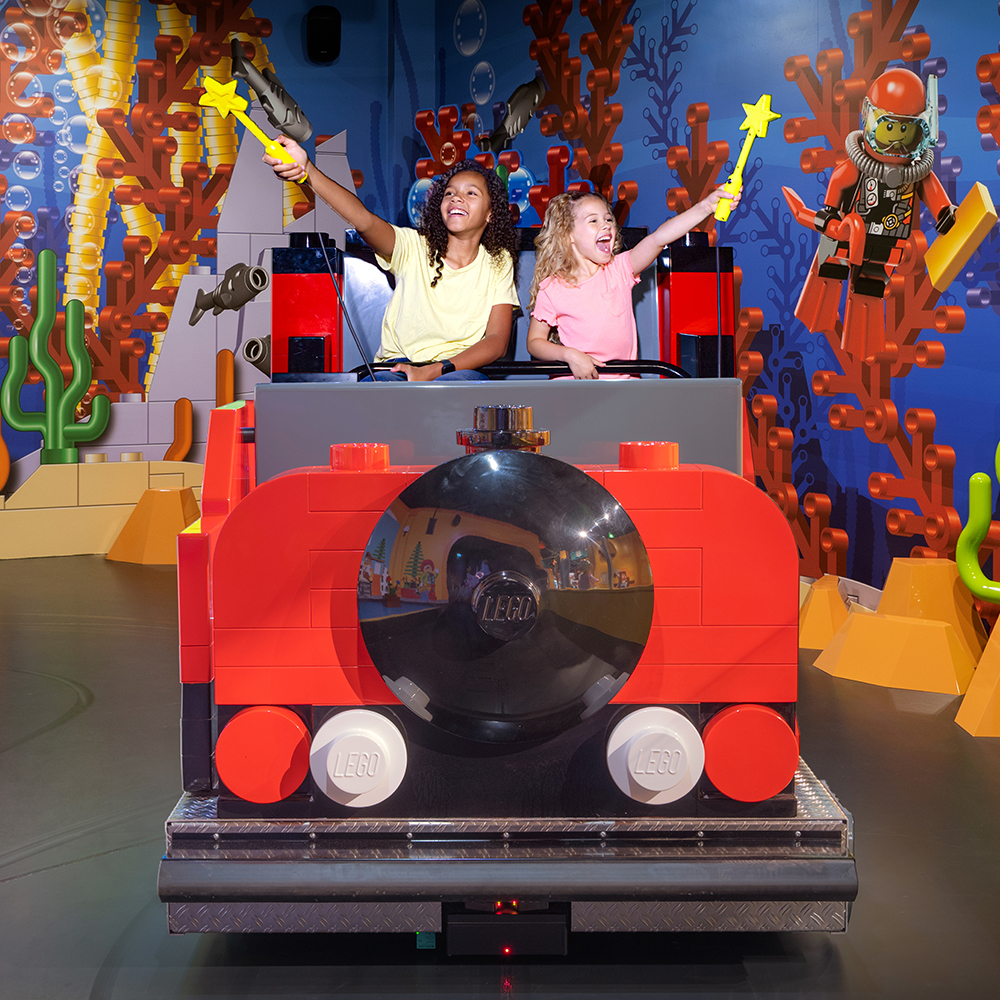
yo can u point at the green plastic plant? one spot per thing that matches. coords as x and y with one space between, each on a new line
976 529
59 428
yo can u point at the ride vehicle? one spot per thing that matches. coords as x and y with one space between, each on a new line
504 696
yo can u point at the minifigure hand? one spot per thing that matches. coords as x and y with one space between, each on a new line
582 365
288 171
946 219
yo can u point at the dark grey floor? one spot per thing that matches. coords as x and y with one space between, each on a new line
88 772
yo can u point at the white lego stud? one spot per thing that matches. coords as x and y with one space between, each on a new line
358 758
655 755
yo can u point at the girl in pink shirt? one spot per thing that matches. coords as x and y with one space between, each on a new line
583 282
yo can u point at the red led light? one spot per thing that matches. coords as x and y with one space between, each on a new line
506 950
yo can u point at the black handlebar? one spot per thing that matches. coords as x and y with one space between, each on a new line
500 369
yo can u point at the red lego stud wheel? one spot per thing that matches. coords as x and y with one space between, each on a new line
750 752
262 755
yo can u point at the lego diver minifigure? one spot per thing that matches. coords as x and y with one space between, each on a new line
872 204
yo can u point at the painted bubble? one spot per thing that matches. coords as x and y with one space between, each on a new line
18 129
64 91
58 187
23 88
105 82
482 82
78 132
72 32
27 164
80 219
17 198
60 156
74 179
416 199
28 226
470 27
518 185
19 43
59 116
24 275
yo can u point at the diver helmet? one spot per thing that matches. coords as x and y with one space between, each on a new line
897 121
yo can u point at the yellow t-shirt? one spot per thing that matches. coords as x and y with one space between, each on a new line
430 324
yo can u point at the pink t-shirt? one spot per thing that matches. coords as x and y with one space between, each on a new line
595 316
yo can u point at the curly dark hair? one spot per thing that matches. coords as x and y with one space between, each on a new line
500 236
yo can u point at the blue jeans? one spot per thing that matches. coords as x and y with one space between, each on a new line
463 375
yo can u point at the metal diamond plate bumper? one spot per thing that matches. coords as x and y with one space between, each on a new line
619 874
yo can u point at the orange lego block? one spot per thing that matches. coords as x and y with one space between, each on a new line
287 685
932 589
750 568
897 652
683 683
193 589
675 567
332 568
979 713
822 613
328 608
734 644
278 647
373 491
656 489
196 664
677 606
149 536
949 253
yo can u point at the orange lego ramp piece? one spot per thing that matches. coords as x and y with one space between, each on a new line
822 613
949 253
979 713
897 652
150 534
932 589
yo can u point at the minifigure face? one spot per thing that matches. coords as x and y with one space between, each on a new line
465 207
594 231
894 138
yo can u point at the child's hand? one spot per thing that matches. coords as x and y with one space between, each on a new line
288 171
711 202
582 365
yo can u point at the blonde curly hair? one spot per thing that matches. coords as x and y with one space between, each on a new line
553 245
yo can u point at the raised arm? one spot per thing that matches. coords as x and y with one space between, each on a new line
645 252
376 232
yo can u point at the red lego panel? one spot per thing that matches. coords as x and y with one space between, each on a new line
373 689
356 491
330 568
262 647
694 299
290 685
675 567
656 489
751 563
669 528
192 589
304 305
677 606
196 664
330 608
721 644
229 463
683 683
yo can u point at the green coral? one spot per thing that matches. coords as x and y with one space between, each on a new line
973 535
57 424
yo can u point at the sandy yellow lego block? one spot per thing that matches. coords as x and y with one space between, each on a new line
47 486
979 713
193 472
895 652
60 531
197 494
113 483
932 589
821 614
149 536
949 253
804 591
168 481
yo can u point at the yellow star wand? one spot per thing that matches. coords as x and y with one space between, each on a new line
225 100
757 118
